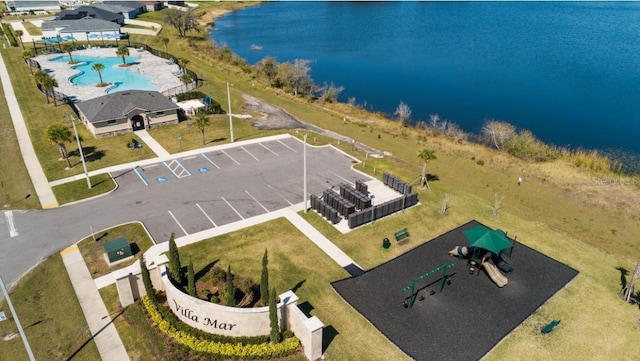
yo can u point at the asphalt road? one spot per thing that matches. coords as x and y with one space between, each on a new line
183 196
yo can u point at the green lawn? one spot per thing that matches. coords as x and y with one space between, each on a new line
295 263
50 315
79 189
93 250
546 213
31 28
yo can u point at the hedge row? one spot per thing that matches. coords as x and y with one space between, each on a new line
170 317
261 351
7 31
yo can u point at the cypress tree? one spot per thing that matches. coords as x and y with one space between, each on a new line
146 279
175 268
264 280
273 317
231 299
191 279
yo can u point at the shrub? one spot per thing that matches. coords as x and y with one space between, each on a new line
7 31
262 350
527 147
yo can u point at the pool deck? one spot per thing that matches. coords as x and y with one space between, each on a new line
146 63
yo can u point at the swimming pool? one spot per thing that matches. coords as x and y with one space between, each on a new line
121 78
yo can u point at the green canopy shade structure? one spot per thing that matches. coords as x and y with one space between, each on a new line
486 238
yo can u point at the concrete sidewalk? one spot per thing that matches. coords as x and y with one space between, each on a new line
289 213
152 143
38 178
101 326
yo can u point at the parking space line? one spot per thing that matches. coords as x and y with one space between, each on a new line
206 215
344 179
184 169
225 153
175 219
275 190
229 204
13 230
210 161
257 201
295 151
144 180
265 147
250 154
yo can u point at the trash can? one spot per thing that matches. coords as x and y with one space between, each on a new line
386 243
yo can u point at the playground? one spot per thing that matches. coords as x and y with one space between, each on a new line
462 317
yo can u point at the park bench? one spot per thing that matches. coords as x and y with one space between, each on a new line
402 234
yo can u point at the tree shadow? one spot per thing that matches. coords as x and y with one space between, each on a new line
623 277
295 288
205 270
90 154
217 140
432 178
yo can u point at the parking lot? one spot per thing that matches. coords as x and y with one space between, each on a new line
198 192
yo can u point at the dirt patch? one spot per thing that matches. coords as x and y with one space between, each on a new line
272 118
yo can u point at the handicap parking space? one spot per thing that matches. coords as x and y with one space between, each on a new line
129 179
198 164
156 173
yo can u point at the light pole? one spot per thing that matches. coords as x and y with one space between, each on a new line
230 118
84 164
304 177
18 324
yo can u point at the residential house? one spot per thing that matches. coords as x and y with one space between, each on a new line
92 12
127 111
33 5
128 9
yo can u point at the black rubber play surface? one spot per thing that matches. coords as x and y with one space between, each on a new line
470 316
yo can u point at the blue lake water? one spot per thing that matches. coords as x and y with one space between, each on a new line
567 71
122 78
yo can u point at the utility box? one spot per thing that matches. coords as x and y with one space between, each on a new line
117 251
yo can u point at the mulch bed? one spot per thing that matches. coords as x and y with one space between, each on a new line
470 316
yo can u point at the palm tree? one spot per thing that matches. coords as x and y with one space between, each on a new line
123 51
41 78
165 42
48 84
184 63
19 34
68 48
59 134
99 67
201 121
426 155
26 55
185 78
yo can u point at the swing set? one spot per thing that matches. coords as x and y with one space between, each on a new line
444 267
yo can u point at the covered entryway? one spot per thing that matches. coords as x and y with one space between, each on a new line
137 122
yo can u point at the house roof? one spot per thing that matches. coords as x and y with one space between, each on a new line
119 6
81 25
27 5
119 104
89 12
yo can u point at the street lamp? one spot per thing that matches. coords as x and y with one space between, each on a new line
304 177
84 164
230 118
17 321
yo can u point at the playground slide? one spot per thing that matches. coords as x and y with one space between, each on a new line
494 273
459 251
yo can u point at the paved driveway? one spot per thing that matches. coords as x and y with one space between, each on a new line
238 183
